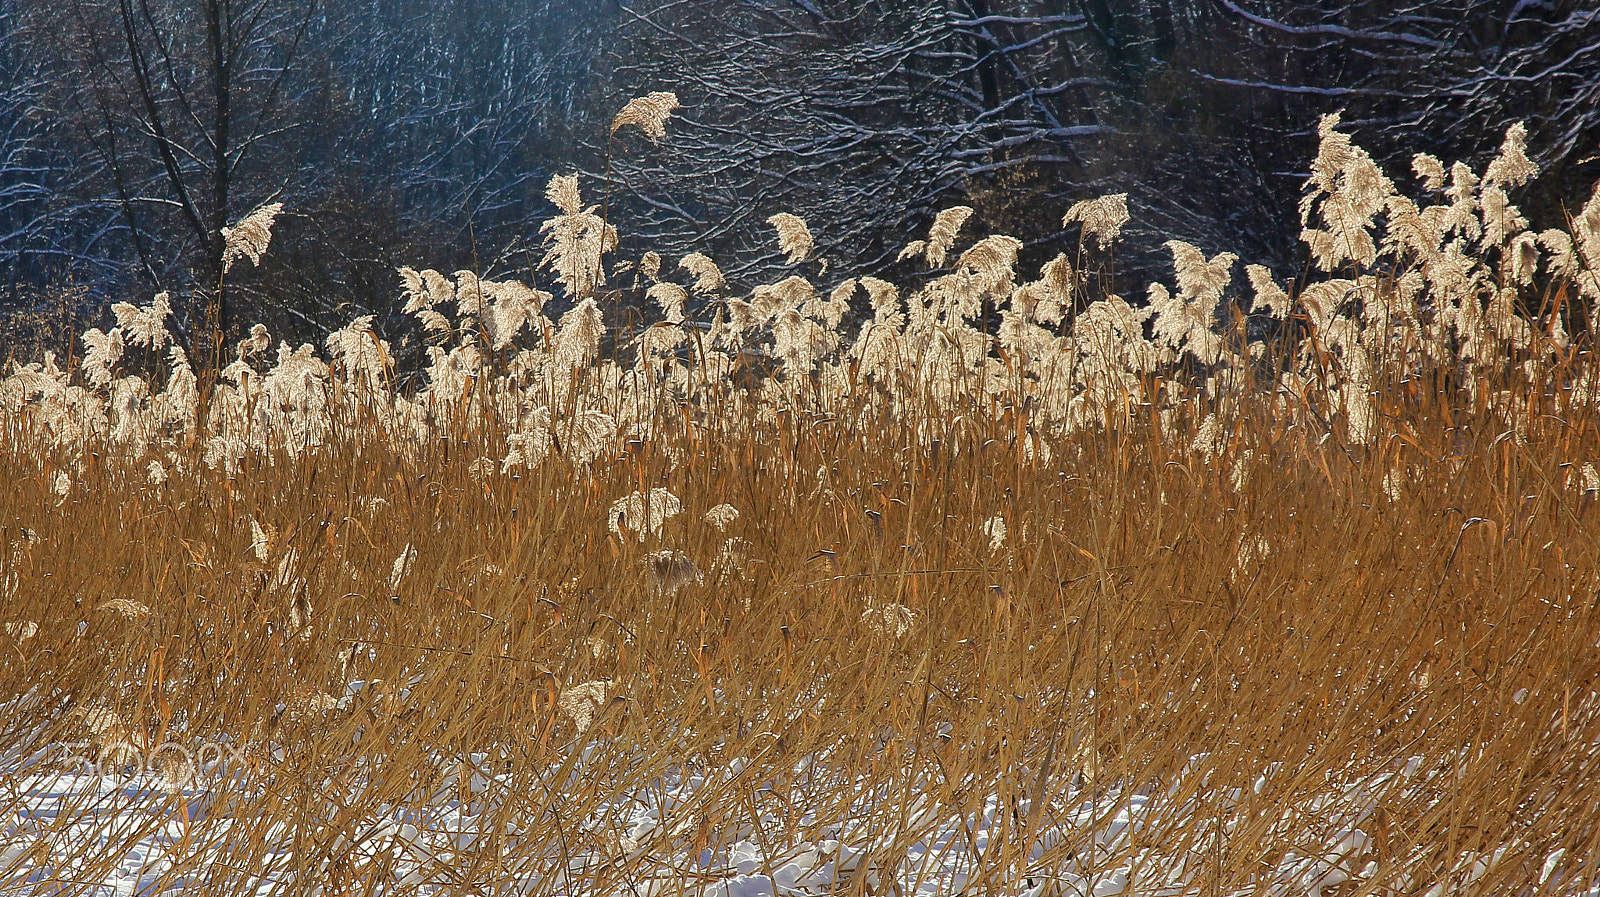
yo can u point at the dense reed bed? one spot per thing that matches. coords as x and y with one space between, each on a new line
996 586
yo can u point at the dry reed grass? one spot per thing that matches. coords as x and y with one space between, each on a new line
1347 585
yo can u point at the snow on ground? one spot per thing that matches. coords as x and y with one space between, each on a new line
124 835
100 830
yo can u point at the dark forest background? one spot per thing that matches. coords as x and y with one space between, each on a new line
402 132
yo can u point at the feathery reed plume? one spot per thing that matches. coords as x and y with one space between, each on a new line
888 619
1430 170
144 326
586 435
562 191
481 468
1210 439
670 570
263 538
416 292
432 321
1199 277
671 298
512 306
991 262
578 239
722 516
1102 218
125 608
402 565
470 298
256 343
650 266
942 234
794 237
643 512
531 443
995 529
708 277
649 113
1512 167
581 703
1270 297
1348 189
577 340
250 237
885 299
365 358
1059 283
102 352
1188 320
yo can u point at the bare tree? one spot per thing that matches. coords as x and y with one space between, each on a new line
24 165
858 116
171 105
470 101
1443 76
413 132
863 117
395 131
35 179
